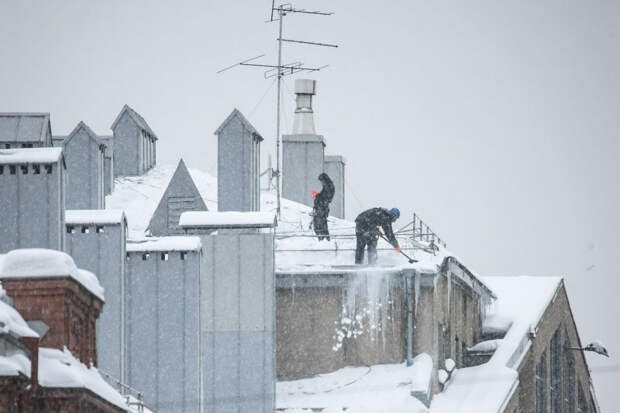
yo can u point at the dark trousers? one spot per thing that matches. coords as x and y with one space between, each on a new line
319 223
366 238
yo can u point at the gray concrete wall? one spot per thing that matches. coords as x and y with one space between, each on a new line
127 147
101 250
238 322
334 167
108 175
32 207
181 195
162 322
302 163
309 311
85 171
238 186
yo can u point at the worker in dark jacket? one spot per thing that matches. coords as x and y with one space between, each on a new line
321 207
367 231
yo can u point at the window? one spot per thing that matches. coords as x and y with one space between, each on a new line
164 256
36 169
440 344
26 145
541 384
99 229
464 357
127 256
24 169
145 256
85 230
583 405
569 378
70 229
7 145
48 169
183 255
556 373
1 169
12 169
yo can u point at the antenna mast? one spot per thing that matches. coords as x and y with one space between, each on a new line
280 70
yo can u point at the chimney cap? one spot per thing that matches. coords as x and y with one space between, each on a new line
305 86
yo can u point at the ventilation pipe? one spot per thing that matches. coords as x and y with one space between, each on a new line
303 123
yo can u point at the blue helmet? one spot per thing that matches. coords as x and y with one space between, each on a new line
395 212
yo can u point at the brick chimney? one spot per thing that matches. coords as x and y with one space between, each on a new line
58 300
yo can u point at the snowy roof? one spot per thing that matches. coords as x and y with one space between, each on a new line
44 263
94 216
24 127
236 113
11 322
60 369
136 117
175 243
229 219
139 196
368 389
30 155
489 386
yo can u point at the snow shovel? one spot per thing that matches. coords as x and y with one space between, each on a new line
411 260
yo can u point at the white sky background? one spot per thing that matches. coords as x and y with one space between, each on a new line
497 122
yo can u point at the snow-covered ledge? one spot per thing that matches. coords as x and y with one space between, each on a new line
226 220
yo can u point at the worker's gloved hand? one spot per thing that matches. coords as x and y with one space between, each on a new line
398 249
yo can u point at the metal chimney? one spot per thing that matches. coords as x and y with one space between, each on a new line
303 124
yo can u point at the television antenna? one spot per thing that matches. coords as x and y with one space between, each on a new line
280 70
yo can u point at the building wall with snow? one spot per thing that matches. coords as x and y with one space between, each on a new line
334 167
96 241
331 320
32 184
302 163
238 322
134 144
84 154
238 164
162 330
556 320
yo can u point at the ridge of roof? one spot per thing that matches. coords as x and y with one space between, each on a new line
136 118
237 113
88 130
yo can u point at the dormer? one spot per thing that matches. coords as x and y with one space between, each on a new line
25 130
134 144
84 154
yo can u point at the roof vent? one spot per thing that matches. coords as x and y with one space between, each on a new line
303 124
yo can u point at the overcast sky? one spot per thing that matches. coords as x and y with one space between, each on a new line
497 122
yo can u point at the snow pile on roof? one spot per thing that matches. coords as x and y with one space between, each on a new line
297 248
139 196
94 216
15 364
228 219
11 322
176 243
30 155
488 387
374 389
60 369
43 263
